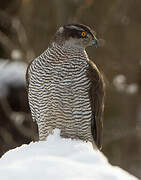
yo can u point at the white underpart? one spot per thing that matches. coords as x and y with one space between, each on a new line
58 93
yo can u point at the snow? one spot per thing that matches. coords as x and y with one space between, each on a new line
58 159
121 85
16 54
119 82
132 88
11 73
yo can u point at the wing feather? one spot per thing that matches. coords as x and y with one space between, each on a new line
96 94
34 89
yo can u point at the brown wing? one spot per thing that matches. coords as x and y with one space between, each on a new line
96 94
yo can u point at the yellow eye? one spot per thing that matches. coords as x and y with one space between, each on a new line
83 34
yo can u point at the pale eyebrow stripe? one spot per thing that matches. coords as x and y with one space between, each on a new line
75 27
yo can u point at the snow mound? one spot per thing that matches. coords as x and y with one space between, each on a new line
58 159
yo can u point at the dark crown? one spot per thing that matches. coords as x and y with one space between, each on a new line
75 30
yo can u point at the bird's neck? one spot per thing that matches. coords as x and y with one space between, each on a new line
69 50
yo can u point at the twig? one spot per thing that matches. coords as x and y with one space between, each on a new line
22 38
17 118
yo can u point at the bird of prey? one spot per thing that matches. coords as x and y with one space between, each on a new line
66 89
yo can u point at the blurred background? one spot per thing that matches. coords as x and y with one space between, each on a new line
26 27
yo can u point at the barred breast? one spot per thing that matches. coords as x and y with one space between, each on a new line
58 93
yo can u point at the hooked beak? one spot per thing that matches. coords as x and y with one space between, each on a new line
95 43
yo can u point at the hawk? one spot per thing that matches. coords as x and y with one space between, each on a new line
66 89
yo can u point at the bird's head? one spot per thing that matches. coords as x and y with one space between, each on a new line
76 35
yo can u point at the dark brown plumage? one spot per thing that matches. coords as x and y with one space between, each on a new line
96 94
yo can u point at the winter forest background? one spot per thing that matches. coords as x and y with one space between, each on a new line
26 26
